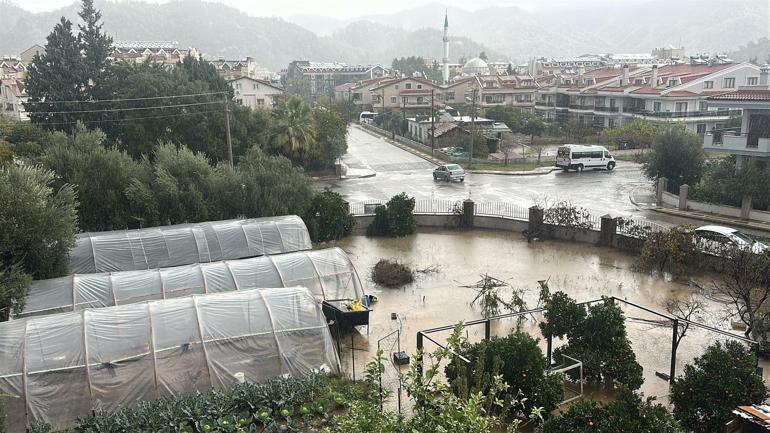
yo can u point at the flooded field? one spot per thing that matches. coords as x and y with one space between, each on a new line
583 271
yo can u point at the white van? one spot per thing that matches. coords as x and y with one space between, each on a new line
366 117
579 157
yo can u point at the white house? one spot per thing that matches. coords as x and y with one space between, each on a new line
753 139
254 93
12 98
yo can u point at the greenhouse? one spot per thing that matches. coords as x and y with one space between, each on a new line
56 368
184 244
328 273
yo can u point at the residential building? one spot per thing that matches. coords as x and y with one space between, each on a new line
565 65
253 93
13 67
232 69
611 97
313 79
160 52
12 99
752 141
29 54
405 93
447 127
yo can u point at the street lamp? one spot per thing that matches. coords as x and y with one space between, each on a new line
472 100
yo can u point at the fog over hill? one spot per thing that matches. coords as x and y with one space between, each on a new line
504 33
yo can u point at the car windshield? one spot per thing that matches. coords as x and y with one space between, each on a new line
743 238
453 167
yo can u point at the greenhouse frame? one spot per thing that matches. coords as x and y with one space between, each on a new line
56 368
184 244
328 273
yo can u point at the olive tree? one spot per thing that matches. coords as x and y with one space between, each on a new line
37 228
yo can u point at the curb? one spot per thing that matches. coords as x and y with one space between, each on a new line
746 224
513 173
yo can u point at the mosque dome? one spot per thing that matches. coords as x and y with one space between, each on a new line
475 66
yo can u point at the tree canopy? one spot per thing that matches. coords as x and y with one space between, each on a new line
678 156
714 385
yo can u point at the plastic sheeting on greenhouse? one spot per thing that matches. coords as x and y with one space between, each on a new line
328 274
184 244
56 368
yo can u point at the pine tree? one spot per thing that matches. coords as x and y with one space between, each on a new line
56 76
96 46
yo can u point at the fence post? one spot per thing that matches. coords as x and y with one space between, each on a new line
746 206
660 189
683 191
674 336
535 219
419 351
607 231
469 210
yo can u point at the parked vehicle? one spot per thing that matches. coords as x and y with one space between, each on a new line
448 172
366 117
716 239
579 157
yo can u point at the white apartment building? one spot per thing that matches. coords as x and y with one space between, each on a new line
254 93
612 97
752 141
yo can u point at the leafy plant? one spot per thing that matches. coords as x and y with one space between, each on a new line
395 219
711 388
565 214
673 250
328 217
596 336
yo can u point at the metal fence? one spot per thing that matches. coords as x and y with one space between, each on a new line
638 228
501 209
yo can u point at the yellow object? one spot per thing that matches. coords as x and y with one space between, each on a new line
355 305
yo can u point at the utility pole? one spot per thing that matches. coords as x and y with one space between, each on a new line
432 126
227 129
473 128
350 102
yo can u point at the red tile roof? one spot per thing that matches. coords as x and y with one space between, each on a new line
676 93
743 95
443 128
16 86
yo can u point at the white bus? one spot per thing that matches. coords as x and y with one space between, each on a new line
579 157
366 117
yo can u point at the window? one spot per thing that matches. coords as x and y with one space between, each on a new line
239 101
681 107
656 106
396 86
611 123
419 100
729 83
702 106
672 82
498 98
392 99
408 85
488 99
254 86
752 81
700 128
449 96
419 86
708 84
260 102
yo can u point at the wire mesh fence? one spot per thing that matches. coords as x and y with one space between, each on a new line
502 209
638 228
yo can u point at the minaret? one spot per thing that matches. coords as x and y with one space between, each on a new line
446 48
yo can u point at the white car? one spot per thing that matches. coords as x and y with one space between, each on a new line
714 239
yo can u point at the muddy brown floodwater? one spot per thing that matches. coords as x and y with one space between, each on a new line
583 271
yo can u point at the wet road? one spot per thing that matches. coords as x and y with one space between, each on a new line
600 192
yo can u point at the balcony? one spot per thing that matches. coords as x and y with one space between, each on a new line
737 144
606 109
687 114
581 107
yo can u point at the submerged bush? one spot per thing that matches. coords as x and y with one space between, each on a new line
392 273
395 219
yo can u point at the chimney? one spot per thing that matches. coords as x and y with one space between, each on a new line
624 80
654 80
764 75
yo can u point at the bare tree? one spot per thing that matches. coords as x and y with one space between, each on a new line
744 285
686 310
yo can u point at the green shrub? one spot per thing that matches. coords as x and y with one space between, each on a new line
521 363
627 413
596 336
395 219
673 250
328 217
714 384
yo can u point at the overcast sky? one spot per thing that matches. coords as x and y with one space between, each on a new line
347 8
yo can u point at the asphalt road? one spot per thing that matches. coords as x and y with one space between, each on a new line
600 192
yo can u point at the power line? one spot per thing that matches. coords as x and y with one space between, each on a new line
110 110
128 119
93 101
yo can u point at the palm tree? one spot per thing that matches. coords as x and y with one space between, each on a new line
294 133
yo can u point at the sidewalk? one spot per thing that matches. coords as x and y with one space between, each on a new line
716 219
